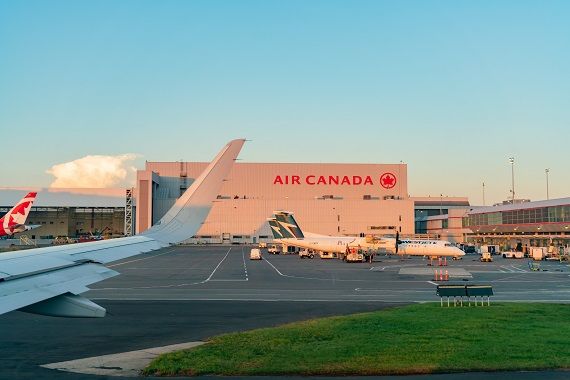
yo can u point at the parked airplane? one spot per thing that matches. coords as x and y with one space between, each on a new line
340 244
49 280
15 219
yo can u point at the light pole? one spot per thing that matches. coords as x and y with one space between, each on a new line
547 171
483 193
512 161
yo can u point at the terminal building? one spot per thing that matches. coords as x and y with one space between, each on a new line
507 224
535 224
329 199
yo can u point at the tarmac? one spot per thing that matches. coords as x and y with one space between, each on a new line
187 294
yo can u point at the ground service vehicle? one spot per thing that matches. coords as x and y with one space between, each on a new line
486 257
354 255
326 255
262 245
306 254
255 254
537 253
493 249
513 255
273 249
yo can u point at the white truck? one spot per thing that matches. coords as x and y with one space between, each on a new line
255 254
306 254
273 249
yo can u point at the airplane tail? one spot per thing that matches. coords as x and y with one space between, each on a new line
19 213
288 223
275 228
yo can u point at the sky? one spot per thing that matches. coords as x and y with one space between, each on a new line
452 88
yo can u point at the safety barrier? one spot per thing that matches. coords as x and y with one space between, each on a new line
440 275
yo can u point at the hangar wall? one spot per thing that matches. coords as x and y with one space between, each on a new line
331 199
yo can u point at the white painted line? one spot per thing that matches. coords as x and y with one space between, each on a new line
217 266
276 270
325 279
272 300
144 258
244 265
433 283
171 285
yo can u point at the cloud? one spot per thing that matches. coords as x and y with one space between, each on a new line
95 172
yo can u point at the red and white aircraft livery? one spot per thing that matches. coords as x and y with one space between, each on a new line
14 221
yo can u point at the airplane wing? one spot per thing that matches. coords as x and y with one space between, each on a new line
49 280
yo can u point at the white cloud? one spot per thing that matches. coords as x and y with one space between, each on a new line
95 172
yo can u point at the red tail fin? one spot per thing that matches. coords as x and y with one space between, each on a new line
19 213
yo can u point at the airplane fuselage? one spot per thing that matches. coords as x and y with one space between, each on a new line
338 244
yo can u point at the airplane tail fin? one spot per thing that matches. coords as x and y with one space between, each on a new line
275 229
19 213
288 223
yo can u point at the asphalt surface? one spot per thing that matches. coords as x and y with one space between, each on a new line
191 293
226 273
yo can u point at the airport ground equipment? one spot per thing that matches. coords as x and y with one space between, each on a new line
273 249
486 257
493 249
537 253
353 255
460 291
255 254
306 254
535 267
25 240
513 255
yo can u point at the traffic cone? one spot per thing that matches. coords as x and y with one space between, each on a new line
445 262
435 275
440 275
446 275
439 261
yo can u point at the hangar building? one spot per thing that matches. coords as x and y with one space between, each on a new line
70 212
330 199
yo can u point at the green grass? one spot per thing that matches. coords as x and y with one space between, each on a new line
408 340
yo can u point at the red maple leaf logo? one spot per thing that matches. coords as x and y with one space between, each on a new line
21 208
388 180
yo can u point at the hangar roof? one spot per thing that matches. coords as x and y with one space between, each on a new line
65 197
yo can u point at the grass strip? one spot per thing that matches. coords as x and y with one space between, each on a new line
416 339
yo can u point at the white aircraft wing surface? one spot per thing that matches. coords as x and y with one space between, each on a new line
49 280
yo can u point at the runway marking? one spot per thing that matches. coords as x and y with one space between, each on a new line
393 290
264 300
244 266
144 258
217 266
171 285
339 280
433 283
